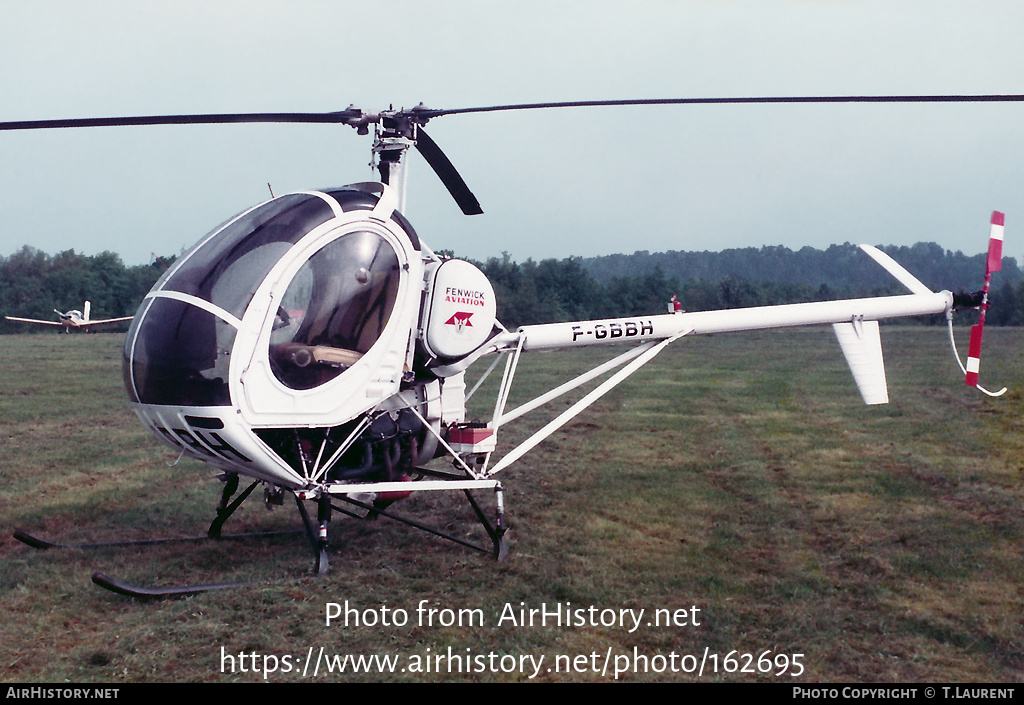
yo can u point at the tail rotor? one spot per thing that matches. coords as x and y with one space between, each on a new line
979 300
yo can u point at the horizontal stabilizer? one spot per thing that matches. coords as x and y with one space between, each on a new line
862 346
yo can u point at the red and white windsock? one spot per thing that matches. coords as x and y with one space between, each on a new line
992 264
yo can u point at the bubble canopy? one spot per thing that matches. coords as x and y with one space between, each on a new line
308 275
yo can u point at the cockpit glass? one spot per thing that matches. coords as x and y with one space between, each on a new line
228 268
178 354
334 309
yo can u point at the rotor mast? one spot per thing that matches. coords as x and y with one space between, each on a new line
394 134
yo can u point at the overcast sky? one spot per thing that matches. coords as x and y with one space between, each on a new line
580 182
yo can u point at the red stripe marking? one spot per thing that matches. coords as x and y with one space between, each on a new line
995 254
974 349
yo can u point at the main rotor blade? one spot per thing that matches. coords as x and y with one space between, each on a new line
352 114
343 116
988 98
443 167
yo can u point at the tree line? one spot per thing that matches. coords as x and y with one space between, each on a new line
643 283
33 283
838 266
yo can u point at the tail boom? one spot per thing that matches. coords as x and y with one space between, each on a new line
645 328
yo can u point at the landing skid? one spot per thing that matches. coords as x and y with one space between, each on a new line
43 545
141 591
224 511
316 533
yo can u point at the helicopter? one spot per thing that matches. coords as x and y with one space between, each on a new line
315 344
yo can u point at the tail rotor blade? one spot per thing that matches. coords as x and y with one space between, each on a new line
443 167
995 243
992 264
974 355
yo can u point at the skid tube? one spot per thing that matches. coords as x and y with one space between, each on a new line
127 589
224 511
316 532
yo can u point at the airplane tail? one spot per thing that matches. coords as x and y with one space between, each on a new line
85 311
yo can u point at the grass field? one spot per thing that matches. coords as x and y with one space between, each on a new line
737 483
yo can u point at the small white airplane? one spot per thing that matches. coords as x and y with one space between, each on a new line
74 319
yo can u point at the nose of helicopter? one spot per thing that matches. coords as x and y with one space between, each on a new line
217 436
256 325
178 348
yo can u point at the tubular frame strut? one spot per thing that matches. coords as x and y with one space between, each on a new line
495 531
